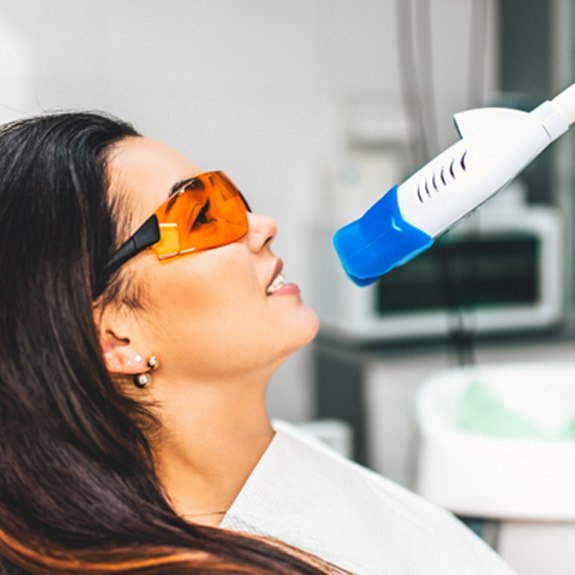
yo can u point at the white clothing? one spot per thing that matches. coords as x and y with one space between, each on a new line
304 494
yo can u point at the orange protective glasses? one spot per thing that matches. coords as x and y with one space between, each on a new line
207 212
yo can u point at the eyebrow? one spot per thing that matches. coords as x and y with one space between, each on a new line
179 185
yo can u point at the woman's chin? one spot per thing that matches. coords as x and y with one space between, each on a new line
308 326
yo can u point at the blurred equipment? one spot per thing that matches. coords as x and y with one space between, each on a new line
497 447
496 145
336 434
505 268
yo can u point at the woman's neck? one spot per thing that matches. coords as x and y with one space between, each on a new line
211 439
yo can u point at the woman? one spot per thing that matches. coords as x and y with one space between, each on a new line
142 315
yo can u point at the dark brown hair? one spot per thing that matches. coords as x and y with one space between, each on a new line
78 491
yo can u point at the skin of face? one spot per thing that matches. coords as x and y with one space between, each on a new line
206 316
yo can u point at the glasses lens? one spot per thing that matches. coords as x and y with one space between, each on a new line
208 213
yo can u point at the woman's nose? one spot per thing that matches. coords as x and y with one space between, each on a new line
263 230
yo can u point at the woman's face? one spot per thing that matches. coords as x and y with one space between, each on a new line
207 315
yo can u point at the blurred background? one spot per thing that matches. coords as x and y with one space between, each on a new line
316 108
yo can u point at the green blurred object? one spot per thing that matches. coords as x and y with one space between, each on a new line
482 413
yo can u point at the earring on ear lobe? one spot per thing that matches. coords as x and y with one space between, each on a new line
153 363
142 380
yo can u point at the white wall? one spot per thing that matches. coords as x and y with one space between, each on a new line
255 87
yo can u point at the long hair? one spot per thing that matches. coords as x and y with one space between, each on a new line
78 491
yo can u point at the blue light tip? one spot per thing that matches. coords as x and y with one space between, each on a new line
378 241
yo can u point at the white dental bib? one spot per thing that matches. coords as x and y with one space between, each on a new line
304 494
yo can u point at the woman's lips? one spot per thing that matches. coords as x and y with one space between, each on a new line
278 285
287 289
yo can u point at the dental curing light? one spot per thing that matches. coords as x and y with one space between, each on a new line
496 144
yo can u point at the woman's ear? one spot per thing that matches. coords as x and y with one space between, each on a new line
120 356
120 353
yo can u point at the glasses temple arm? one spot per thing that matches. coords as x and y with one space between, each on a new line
147 235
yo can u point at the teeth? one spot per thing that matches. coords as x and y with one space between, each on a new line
278 283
